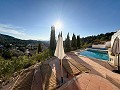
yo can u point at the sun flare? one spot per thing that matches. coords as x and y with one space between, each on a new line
58 25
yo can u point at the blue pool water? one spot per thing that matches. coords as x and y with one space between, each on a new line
95 54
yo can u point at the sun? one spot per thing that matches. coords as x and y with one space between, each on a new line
58 25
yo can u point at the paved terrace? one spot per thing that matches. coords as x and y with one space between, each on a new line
83 81
88 82
97 69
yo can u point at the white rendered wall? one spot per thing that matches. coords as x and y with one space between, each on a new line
98 46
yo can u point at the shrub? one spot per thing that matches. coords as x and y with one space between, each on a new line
10 66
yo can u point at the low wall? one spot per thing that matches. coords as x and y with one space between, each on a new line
98 46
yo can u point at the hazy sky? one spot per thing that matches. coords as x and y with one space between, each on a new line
32 19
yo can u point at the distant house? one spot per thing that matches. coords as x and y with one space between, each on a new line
105 45
1 46
108 44
32 46
27 51
43 47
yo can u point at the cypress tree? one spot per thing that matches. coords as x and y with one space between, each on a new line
58 34
61 33
52 40
74 42
39 48
78 42
67 43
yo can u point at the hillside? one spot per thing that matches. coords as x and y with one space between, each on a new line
7 40
98 39
85 41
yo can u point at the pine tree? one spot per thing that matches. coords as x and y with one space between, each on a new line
78 42
39 48
52 40
74 42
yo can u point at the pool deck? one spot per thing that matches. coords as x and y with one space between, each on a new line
102 70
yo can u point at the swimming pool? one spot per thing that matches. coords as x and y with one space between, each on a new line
95 54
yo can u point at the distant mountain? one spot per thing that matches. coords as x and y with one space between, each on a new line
7 40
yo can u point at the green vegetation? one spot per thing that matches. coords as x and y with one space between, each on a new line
39 48
10 66
74 42
78 42
13 56
67 43
98 39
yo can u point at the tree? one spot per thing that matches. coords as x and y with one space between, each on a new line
39 48
67 43
7 54
61 33
78 41
74 42
52 40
